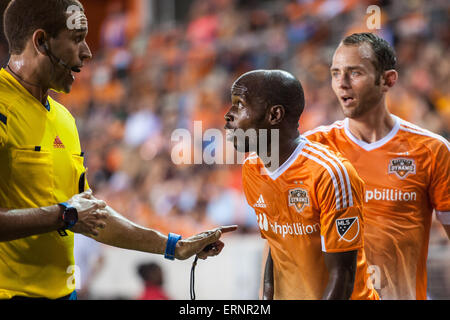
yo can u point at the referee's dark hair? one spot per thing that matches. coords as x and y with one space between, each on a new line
22 17
384 54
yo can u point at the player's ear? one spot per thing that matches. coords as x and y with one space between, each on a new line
276 114
39 41
389 79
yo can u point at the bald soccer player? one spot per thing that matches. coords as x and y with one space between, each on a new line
309 208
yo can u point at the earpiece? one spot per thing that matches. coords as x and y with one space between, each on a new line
43 43
53 58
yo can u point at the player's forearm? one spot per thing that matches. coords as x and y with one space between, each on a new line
340 285
268 279
121 232
341 275
21 223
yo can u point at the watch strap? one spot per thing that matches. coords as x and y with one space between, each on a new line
66 206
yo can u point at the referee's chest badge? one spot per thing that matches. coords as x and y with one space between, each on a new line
298 198
402 167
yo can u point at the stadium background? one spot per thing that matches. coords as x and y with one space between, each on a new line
161 65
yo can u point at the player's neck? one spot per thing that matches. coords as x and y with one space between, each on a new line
286 147
26 75
372 126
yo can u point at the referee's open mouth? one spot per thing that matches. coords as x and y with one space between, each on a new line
76 69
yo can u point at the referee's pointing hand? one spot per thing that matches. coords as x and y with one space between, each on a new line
204 244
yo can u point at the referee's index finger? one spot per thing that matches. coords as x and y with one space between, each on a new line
228 228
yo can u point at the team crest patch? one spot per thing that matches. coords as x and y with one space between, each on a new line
402 167
347 228
298 198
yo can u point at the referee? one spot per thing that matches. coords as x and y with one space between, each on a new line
44 195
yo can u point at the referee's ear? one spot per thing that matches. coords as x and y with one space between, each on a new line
39 41
389 79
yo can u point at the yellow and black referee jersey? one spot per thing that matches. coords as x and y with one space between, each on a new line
41 164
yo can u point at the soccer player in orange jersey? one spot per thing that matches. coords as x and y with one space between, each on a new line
310 207
405 168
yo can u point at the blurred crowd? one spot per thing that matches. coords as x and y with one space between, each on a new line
142 85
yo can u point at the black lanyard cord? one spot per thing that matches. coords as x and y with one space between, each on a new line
194 264
210 246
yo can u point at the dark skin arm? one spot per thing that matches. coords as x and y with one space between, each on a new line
268 279
341 270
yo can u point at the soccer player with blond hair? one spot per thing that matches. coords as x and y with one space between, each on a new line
406 169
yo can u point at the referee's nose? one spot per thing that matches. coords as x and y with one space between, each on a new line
85 51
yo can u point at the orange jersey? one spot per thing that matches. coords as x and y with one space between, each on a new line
309 205
406 175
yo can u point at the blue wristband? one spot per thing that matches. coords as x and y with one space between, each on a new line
171 244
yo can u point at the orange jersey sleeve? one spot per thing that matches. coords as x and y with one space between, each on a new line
341 229
440 177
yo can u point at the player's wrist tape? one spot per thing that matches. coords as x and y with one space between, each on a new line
172 240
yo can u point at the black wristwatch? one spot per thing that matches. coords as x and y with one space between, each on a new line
69 215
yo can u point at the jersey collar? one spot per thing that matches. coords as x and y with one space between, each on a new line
294 155
21 88
377 144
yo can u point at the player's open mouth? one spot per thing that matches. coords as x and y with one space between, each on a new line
347 99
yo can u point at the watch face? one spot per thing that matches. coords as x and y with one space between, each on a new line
70 216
